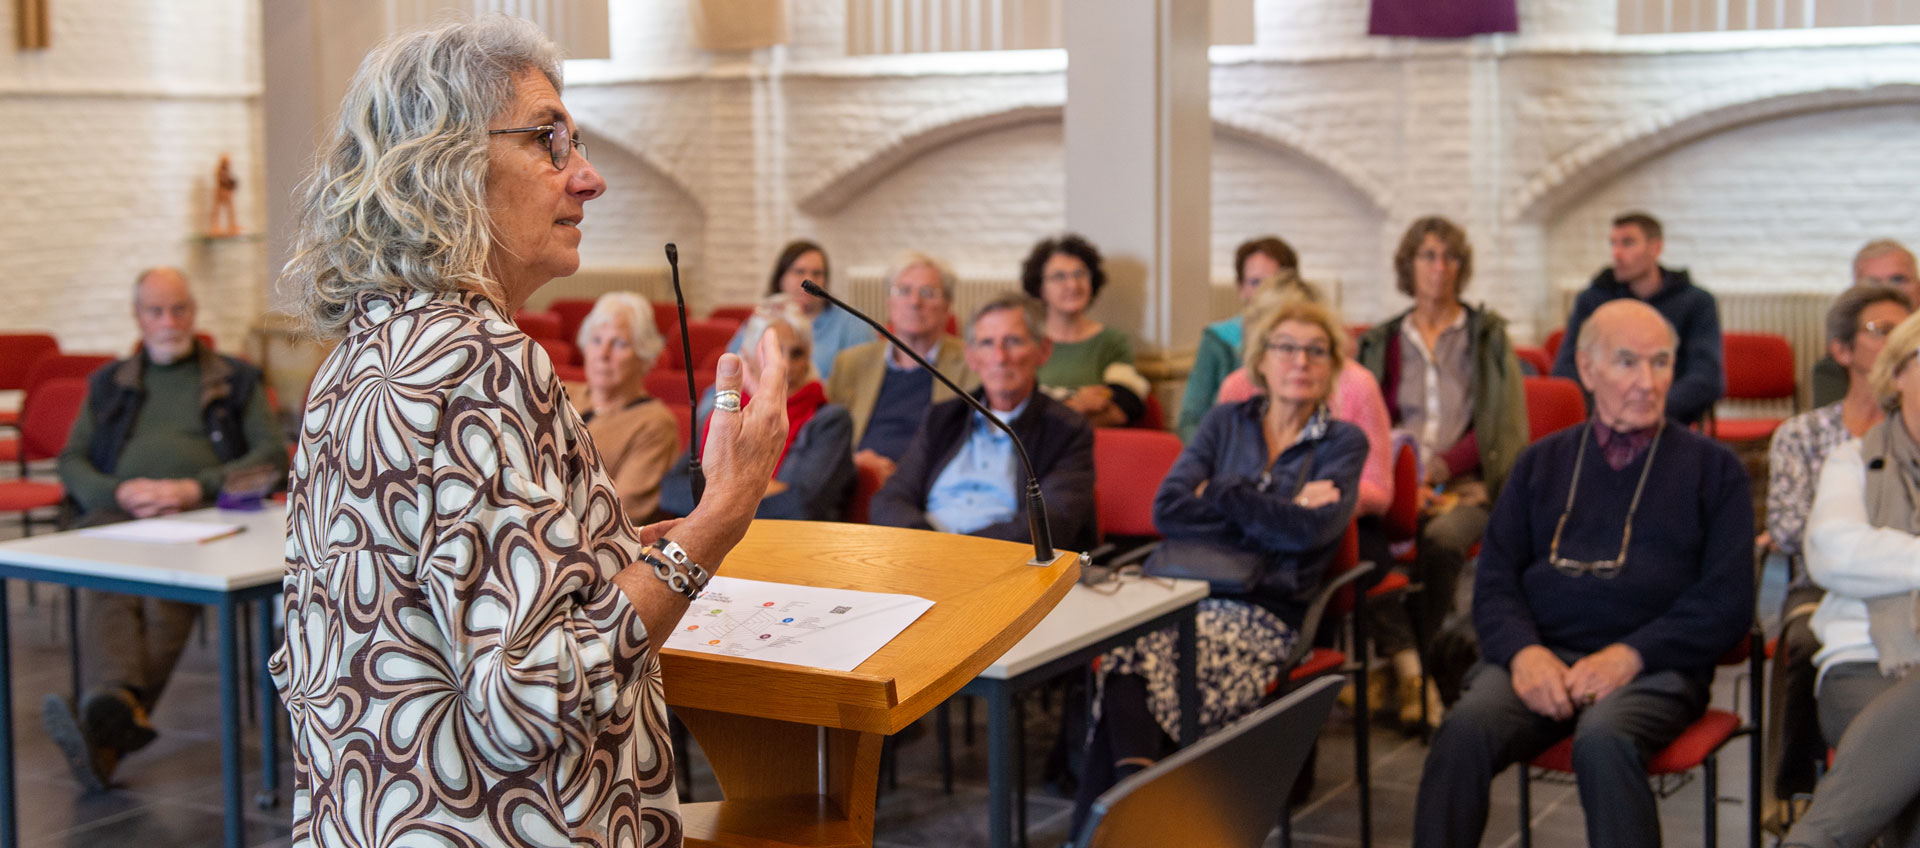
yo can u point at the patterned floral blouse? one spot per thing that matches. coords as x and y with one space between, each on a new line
1794 459
459 667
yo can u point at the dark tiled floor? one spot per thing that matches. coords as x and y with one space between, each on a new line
169 794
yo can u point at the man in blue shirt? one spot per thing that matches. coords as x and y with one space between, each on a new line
962 474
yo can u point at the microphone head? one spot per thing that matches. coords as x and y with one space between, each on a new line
808 287
673 253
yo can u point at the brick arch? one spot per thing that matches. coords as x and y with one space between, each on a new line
862 169
598 140
1565 179
1274 134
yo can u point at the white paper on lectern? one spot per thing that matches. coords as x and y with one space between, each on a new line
835 629
162 531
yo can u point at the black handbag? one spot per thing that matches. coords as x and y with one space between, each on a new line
1228 569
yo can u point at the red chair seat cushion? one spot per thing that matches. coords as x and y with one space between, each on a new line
1393 582
1321 661
1745 429
22 495
1693 747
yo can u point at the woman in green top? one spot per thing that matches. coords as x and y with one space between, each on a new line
1091 369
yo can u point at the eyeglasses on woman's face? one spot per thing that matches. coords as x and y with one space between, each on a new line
556 138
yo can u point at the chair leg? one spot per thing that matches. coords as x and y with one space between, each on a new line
1526 806
73 641
1710 788
1362 730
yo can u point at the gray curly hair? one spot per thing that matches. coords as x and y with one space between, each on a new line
397 199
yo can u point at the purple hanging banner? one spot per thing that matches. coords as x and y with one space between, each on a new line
1442 18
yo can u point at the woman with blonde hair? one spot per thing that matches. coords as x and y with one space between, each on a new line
1271 481
1863 546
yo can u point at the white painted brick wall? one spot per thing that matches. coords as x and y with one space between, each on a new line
1771 156
115 133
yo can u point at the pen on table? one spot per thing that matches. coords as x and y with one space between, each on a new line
218 536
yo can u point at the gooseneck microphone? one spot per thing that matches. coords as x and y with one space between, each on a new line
695 475
1036 505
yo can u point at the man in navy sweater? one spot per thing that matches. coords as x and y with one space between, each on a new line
1616 569
1699 370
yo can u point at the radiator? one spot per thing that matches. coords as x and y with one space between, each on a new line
1797 315
653 283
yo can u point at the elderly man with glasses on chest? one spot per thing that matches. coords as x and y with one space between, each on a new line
1615 571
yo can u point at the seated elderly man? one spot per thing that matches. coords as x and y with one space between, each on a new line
885 391
1616 569
162 431
962 474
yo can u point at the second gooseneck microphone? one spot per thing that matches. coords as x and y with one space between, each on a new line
695 475
1037 526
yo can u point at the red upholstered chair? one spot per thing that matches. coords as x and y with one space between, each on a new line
1553 404
708 339
18 353
1759 367
46 417
559 350
666 316
1696 747
683 416
866 482
540 325
669 385
572 312
1128 465
738 313
1535 358
1552 344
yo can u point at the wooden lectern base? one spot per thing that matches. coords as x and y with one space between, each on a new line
769 772
760 723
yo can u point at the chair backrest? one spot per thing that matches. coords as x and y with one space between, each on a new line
1402 520
733 312
1535 358
562 352
539 325
60 365
572 312
1759 365
666 316
18 353
683 416
47 414
1552 344
1225 791
1128 464
1553 404
668 384
866 482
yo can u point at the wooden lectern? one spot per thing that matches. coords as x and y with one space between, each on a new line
759 722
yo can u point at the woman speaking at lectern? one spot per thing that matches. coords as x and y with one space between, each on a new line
472 623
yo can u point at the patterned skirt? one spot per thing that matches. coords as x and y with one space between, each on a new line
1241 649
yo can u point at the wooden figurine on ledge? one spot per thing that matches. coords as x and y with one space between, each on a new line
223 186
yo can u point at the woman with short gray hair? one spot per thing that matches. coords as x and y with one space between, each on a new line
635 433
472 623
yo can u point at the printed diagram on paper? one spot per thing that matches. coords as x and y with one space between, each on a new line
800 625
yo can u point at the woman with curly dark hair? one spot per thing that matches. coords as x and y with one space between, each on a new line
1091 369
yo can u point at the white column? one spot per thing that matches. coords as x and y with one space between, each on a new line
1139 141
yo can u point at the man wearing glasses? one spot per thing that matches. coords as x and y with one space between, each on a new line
1615 571
886 392
962 474
1882 263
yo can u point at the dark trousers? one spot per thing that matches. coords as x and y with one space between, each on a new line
1444 543
130 642
1794 744
1491 728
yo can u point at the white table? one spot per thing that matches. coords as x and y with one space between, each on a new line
1087 623
223 573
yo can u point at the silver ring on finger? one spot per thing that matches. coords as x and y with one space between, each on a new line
726 400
